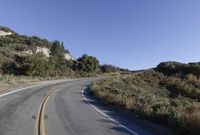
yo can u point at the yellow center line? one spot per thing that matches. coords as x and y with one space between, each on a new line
40 120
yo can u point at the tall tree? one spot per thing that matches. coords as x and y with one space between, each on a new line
88 63
57 55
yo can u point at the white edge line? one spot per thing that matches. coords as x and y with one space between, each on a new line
111 119
37 85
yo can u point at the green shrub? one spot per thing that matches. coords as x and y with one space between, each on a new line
57 57
175 68
37 65
88 63
108 68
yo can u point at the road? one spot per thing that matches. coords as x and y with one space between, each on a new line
66 108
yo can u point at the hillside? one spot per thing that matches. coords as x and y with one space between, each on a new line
168 94
26 45
34 56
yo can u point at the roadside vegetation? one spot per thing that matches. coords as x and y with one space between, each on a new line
14 62
18 57
168 94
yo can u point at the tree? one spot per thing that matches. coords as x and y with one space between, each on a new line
57 55
88 63
109 68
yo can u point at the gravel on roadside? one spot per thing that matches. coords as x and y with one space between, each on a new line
6 87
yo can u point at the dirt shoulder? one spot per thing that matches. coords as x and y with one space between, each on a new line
12 83
8 87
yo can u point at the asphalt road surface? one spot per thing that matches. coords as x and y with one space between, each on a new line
66 108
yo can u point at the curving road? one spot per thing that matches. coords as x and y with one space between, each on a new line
66 108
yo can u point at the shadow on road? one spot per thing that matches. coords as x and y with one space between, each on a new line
138 125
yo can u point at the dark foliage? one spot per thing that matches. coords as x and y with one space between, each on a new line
88 63
108 68
175 68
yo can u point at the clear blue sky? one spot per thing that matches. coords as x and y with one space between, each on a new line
132 34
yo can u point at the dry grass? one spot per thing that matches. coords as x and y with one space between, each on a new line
9 82
152 95
190 121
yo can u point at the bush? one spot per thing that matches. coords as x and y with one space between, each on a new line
190 121
57 57
108 68
175 68
88 63
20 47
1 63
37 65
155 96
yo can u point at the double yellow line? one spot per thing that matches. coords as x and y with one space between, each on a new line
40 119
